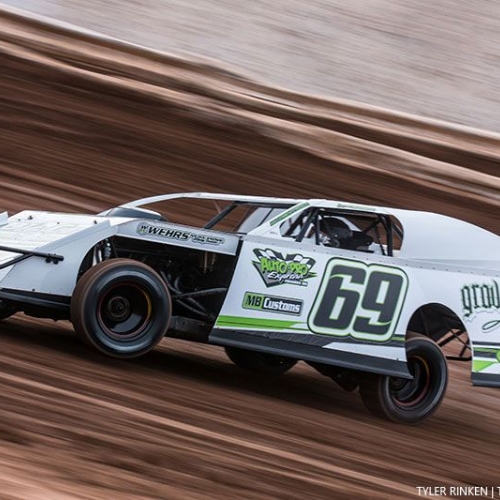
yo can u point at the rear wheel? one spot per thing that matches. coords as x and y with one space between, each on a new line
121 307
409 401
270 364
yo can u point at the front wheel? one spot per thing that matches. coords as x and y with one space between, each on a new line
121 307
409 401
261 362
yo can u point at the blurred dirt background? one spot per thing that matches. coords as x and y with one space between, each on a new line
432 58
86 124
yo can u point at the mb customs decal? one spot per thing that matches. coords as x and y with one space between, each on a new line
268 303
178 234
482 298
276 269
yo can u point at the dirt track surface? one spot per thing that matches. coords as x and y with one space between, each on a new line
184 423
85 126
433 58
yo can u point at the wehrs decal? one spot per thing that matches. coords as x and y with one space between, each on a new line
276 269
177 234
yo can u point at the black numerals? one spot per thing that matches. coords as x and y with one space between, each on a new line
337 314
363 301
381 296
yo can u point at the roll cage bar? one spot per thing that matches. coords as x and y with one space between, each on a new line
378 220
227 210
26 254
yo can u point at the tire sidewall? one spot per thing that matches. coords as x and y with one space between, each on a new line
431 353
101 282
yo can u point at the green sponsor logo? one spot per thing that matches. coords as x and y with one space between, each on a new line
276 269
260 302
352 206
288 212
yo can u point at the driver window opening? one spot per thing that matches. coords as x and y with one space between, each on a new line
349 230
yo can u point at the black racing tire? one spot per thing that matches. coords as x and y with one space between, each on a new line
269 364
121 307
409 401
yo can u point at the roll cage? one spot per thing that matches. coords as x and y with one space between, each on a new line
368 232
244 213
374 229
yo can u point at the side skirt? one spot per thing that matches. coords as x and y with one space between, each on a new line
485 380
39 305
306 352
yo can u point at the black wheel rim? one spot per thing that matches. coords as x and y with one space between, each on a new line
124 311
410 393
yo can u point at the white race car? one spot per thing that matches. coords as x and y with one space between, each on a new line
372 297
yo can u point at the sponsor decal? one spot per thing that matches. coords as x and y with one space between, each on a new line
178 234
206 240
288 213
260 302
481 298
276 269
350 206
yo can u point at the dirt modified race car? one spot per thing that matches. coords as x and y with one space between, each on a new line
374 298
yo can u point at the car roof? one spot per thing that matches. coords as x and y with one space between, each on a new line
431 236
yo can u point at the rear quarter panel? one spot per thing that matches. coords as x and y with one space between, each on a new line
355 302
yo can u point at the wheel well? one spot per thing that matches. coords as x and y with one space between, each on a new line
441 324
434 321
197 279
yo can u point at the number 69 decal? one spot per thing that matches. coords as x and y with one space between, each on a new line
360 300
